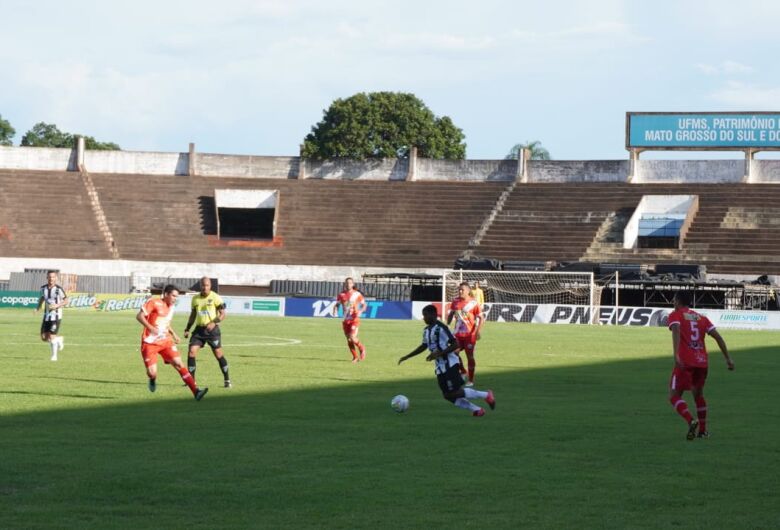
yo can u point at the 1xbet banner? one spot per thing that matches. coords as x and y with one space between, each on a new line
324 308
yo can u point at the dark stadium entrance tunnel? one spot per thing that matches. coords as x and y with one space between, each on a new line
594 445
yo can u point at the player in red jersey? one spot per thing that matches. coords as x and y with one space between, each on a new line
353 305
468 322
159 338
690 361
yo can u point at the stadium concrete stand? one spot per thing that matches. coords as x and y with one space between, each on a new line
155 208
48 214
391 224
734 232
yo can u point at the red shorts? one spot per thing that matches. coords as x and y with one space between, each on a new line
350 327
149 352
688 378
466 342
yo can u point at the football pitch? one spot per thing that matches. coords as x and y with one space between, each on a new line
582 435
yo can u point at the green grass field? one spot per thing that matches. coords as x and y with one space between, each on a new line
583 435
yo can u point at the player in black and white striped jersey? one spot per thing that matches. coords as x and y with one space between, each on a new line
442 344
53 298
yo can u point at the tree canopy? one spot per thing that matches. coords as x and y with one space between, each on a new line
48 135
383 125
538 152
6 132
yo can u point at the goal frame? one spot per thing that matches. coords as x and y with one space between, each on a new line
588 277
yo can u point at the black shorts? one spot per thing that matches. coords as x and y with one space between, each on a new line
51 326
451 380
201 336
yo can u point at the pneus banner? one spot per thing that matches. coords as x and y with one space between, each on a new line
609 315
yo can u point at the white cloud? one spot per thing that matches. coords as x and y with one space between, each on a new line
724 68
747 96
437 42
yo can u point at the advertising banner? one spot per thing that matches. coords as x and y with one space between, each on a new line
624 316
706 130
240 305
26 299
318 307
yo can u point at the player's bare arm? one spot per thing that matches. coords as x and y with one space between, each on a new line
190 322
417 351
40 303
478 330
140 317
723 348
452 345
219 318
676 345
176 338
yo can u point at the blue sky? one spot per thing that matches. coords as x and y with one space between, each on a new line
252 77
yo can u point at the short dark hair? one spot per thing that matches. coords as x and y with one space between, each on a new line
169 289
683 298
51 272
430 308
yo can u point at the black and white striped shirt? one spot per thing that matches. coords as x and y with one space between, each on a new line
436 338
52 295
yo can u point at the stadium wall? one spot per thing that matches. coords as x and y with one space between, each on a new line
689 171
578 170
38 158
286 167
228 273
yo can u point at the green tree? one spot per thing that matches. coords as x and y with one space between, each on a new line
538 152
48 135
383 125
6 132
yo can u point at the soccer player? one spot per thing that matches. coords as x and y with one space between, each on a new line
690 361
353 304
468 323
208 310
442 345
479 295
158 337
54 298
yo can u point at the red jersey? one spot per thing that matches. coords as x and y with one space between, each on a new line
351 301
693 328
158 314
466 313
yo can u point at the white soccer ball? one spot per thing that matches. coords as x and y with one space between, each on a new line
400 403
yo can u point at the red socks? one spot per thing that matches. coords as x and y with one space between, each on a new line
701 412
186 376
681 407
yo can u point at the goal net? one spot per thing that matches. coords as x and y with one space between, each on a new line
527 287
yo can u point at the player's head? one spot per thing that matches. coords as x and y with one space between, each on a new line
464 290
476 284
349 284
429 313
682 299
170 294
205 286
51 277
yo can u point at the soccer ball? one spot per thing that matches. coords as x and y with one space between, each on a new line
400 403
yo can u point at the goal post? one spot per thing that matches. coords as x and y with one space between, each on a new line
534 288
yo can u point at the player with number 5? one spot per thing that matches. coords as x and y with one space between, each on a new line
690 361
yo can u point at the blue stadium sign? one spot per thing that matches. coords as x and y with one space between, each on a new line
687 130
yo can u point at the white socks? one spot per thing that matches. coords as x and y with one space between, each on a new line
56 344
470 393
464 403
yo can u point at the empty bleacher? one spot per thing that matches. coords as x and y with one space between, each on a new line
564 222
47 214
381 223
361 223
